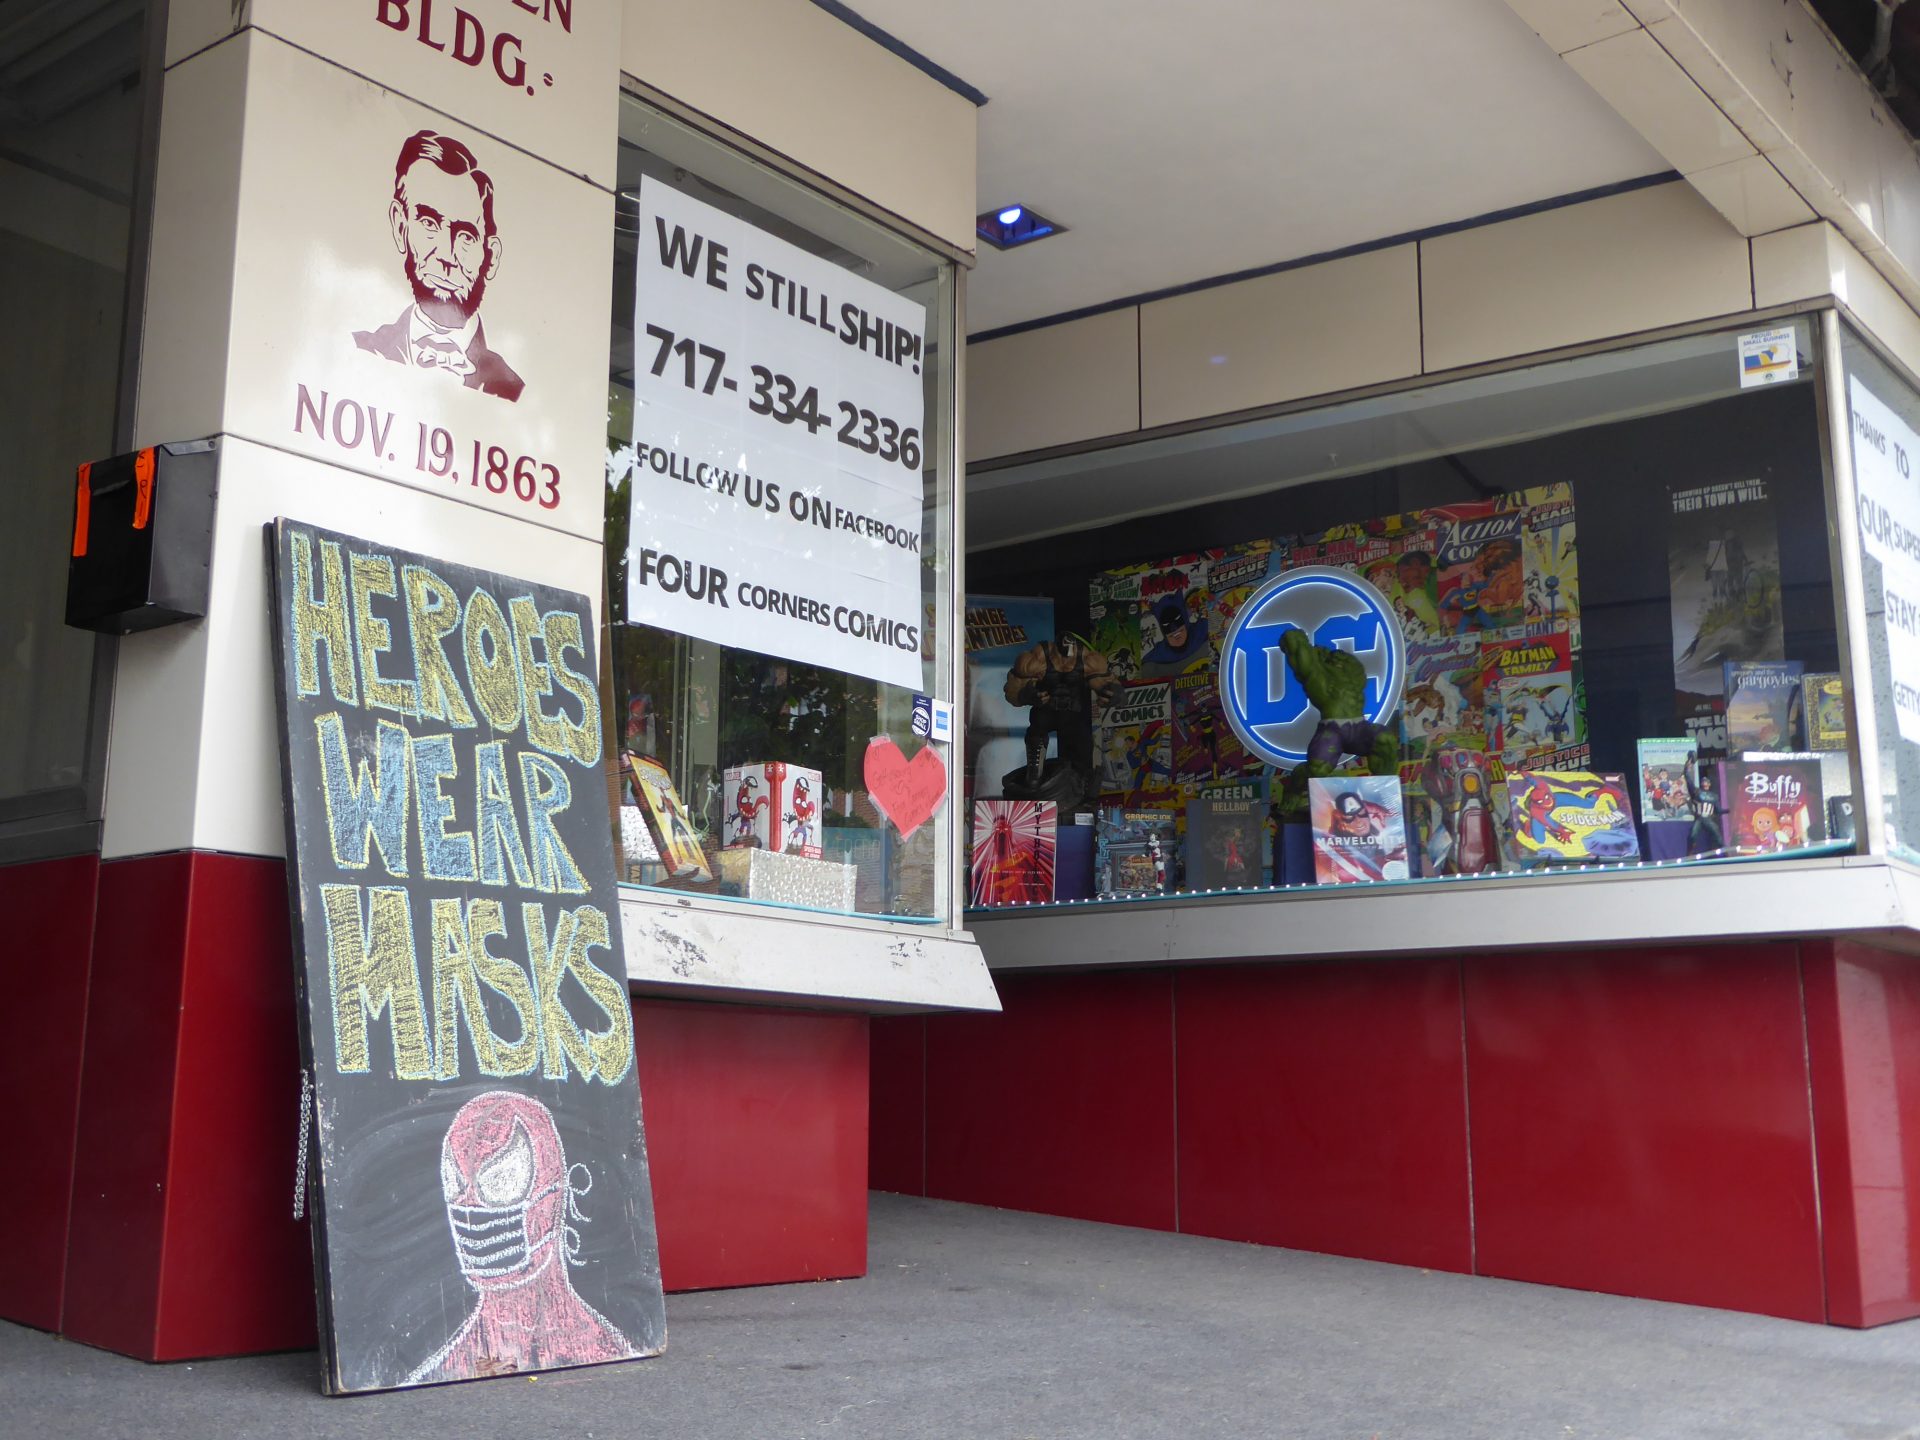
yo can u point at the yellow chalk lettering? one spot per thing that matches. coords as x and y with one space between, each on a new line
322 621
485 918
456 988
373 575
433 613
613 1047
561 1038
563 634
536 679
492 673
371 968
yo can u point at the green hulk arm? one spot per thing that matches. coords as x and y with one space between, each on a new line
1335 681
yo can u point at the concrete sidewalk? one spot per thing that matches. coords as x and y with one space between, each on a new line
978 1322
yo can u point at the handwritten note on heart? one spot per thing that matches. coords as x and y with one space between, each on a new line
907 792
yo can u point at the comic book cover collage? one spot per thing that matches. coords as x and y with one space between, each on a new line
1488 593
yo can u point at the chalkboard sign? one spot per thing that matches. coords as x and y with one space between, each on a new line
479 1176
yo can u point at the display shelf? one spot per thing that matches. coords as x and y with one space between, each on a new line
690 947
1860 897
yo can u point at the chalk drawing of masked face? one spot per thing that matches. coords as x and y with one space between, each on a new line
513 1208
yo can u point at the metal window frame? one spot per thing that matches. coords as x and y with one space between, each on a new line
948 313
53 824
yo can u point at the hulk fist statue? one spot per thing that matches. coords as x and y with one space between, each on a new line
1336 683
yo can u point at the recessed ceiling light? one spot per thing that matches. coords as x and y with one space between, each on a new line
1012 225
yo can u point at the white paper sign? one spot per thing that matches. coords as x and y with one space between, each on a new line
1768 357
1885 450
777 447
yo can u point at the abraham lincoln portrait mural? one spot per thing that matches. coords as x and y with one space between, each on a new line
442 222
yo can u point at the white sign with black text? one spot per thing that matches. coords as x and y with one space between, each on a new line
777 447
1885 452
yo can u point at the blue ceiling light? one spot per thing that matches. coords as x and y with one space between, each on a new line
1012 225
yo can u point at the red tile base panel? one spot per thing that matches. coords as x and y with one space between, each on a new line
49 908
180 1241
1863 1036
1640 1122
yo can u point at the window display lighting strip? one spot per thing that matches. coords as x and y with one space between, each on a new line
1636 867
673 894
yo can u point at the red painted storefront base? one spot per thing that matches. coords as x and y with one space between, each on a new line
150 1047
1735 1126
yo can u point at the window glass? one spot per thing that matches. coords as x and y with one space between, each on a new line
777 537
70 91
1883 418
1609 583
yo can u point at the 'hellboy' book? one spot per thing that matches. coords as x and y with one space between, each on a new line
1227 835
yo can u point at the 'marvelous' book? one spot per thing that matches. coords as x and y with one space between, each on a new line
1359 831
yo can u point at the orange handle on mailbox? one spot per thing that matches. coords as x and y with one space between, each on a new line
143 492
82 507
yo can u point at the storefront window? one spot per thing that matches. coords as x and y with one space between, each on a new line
1610 588
70 89
1883 416
778 545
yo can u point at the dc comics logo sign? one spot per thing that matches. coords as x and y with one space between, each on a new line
1264 702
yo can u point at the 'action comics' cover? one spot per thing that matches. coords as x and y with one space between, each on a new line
1136 740
1482 564
1569 817
1359 831
1772 805
1013 851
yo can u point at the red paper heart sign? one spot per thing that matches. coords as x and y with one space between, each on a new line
907 792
